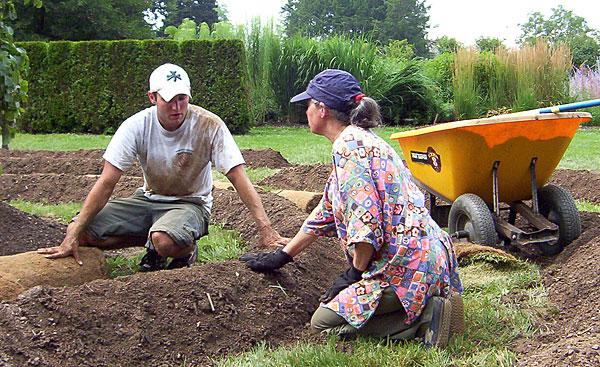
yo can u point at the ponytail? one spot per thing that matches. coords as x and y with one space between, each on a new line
362 112
366 114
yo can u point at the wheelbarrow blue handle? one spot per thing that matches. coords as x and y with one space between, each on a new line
571 106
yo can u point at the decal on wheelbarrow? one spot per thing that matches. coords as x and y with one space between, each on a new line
430 158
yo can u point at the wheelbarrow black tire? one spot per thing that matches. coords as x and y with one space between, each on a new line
470 213
558 207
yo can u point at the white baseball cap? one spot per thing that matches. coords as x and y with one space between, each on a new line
169 80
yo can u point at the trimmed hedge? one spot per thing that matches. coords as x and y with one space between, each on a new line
93 86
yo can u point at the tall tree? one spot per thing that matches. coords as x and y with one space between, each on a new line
384 20
446 44
80 20
563 26
198 11
490 44
406 19
222 12
323 17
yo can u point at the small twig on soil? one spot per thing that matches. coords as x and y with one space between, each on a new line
278 286
212 307
212 280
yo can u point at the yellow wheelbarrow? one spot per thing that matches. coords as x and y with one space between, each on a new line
485 170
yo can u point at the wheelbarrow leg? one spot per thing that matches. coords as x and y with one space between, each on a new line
534 198
439 212
495 187
512 216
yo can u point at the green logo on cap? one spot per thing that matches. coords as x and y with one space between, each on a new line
173 76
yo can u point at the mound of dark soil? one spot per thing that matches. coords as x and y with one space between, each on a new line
167 317
89 162
571 336
264 158
581 184
50 155
309 177
67 177
53 188
21 232
77 162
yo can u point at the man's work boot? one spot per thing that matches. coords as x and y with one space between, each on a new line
152 261
186 261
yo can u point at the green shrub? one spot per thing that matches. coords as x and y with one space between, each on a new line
93 86
358 56
261 41
467 98
230 85
441 69
595 111
126 97
58 115
91 96
287 78
36 102
197 54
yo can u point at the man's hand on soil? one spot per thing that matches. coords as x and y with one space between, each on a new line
265 262
67 248
268 237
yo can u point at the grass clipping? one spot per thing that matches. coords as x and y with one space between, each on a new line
468 253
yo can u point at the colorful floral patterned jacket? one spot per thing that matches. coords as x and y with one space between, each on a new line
370 197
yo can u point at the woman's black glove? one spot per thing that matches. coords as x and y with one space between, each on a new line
265 262
343 281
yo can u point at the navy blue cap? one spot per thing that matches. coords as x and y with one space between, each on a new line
334 87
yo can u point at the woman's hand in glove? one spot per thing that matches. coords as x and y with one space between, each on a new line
343 281
265 262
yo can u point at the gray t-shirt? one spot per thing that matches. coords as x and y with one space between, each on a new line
176 164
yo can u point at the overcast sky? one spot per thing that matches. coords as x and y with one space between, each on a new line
465 20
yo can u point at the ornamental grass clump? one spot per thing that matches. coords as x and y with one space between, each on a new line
514 79
467 96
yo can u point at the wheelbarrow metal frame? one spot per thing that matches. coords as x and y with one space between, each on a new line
461 161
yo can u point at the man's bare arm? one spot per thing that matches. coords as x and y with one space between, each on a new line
94 202
267 235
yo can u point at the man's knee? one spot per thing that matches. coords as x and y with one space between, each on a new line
166 246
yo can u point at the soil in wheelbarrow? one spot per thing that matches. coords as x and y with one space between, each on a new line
166 318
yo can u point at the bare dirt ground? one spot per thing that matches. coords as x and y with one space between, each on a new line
166 319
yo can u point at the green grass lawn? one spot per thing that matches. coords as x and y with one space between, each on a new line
492 322
59 141
584 151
